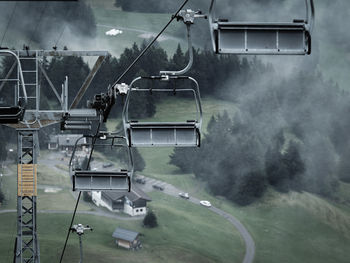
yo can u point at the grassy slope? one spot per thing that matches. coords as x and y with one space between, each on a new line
157 160
185 234
63 200
286 228
107 15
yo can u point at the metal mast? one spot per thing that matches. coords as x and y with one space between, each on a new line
27 88
27 246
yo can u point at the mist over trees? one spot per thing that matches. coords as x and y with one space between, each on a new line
289 133
170 6
43 21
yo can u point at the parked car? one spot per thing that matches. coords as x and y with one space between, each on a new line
158 187
140 180
106 165
184 195
205 203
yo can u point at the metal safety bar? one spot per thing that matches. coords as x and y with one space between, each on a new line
87 180
157 134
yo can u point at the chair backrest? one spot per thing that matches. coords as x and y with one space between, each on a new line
103 178
259 38
169 133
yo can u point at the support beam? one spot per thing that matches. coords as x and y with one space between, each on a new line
50 83
60 53
87 82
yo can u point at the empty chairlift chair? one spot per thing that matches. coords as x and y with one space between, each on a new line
14 113
256 38
84 179
157 134
79 119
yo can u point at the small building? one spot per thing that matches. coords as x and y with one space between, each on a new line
126 238
66 142
133 203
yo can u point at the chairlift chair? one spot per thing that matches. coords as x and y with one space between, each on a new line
157 134
15 113
84 179
79 119
258 38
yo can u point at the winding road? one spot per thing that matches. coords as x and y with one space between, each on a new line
173 191
169 190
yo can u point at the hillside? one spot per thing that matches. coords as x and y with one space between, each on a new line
290 227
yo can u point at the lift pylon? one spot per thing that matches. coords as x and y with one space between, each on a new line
26 116
27 245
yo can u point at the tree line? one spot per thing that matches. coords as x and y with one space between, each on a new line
291 135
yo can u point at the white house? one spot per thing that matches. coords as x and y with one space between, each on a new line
133 203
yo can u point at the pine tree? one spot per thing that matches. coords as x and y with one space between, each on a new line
150 220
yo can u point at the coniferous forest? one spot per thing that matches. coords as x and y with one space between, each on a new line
276 138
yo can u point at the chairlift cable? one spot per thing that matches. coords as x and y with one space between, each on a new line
78 199
98 128
150 44
8 23
63 28
61 34
38 24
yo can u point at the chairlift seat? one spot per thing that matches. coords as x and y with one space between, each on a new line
11 114
101 180
90 114
167 134
78 119
261 38
156 134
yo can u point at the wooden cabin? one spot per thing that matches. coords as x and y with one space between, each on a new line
126 238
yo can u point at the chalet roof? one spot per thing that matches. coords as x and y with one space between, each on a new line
124 234
134 194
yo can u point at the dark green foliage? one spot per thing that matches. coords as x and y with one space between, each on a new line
183 158
344 166
121 155
284 170
2 197
73 67
229 160
3 151
139 162
150 220
251 187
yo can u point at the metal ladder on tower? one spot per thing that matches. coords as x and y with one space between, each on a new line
27 248
31 80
